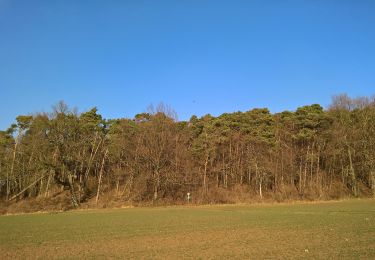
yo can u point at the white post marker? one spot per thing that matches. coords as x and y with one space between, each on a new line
188 197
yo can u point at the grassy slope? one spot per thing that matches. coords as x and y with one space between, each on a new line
322 230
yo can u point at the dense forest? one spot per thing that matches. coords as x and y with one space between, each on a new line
311 153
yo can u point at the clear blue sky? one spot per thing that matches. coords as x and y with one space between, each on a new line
196 56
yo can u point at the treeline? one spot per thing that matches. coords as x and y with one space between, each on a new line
310 153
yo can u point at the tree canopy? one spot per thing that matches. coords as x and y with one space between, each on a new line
310 153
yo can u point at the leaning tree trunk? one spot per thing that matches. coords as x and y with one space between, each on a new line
75 201
352 174
11 169
100 176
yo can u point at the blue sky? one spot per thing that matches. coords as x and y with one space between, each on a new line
196 56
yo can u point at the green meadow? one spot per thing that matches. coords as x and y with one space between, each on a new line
324 230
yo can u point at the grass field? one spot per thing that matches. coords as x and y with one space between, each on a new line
328 230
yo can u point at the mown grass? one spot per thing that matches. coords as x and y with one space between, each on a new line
329 230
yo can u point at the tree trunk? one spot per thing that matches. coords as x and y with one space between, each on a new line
117 185
205 176
73 194
11 168
156 184
22 191
92 155
319 180
260 180
249 175
305 171
47 187
373 183
352 174
300 177
100 177
311 165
